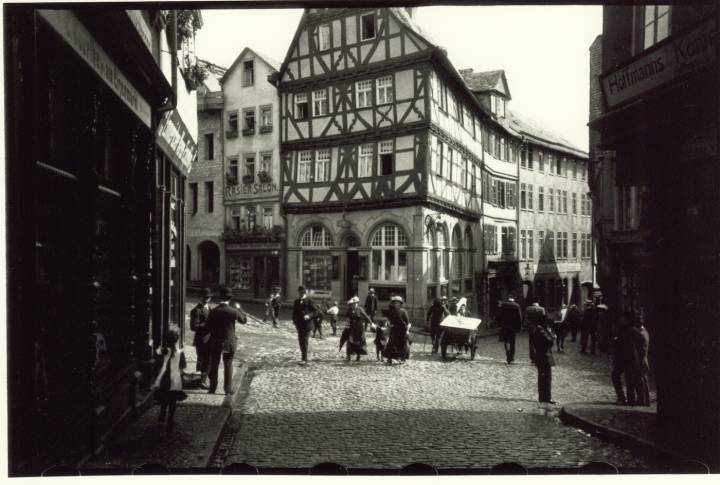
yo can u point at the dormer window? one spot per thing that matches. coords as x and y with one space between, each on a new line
367 26
497 106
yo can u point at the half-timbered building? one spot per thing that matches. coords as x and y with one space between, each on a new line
381 150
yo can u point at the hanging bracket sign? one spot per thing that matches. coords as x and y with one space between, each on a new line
175 139
76 35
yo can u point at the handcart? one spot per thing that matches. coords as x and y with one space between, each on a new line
462 332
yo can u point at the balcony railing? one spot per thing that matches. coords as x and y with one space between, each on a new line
248 131
266 129
257 234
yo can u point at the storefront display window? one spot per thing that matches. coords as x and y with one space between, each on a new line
240 271
389 259
317 271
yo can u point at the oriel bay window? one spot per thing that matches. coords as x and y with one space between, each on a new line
388 256
316 260
322 165
303 166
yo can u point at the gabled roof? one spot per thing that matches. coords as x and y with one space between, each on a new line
271 63
536 132
480 82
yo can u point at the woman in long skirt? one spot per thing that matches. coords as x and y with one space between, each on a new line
356 321
398 346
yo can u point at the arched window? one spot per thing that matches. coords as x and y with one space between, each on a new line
470 252
316 236
316 258
457 269
442 254
430 263
389 258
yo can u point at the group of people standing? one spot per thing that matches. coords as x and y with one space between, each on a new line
630 349
392 343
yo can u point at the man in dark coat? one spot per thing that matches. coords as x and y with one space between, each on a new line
572 317
534 315
588 328
201 340
622 361
435 315
371 306
510 321
304 312
223 341
542 340
639 342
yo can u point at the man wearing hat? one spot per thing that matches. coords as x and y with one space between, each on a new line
304 312
510 322
588 327
435 315
198 324
371 306
356 317
223 341
542 340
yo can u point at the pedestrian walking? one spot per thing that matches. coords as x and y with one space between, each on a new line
317 322
622 361
640 342
561 328
588 328
434 317
304 311
371 305
510 321
572 319
542 341
223 340
357 320
272 306
534 315
398 346
332 313
201 339
168 385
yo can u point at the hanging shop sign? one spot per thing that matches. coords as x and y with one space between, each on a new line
175 139
76 35
676 57
250 189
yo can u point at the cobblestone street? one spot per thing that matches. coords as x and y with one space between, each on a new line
453 414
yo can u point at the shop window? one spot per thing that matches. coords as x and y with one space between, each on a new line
210 196
365 160
240 272
320 102
388 256
304 166
301 106
324 37
363 94
367 26
316 265
194 197
322 165
656 24
209 146
248 73
386 158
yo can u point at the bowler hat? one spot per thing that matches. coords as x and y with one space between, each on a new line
225 293
206 293
396 298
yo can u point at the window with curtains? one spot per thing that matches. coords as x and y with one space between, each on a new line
469 253
457 263
322 165
320 102
388 254
363 93
490 239
431 264
541 199
385 90
303 166
441 253
530 196
365 160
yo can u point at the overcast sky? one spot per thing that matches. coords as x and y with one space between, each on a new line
543 50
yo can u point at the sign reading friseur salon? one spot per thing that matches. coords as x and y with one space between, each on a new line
675 57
